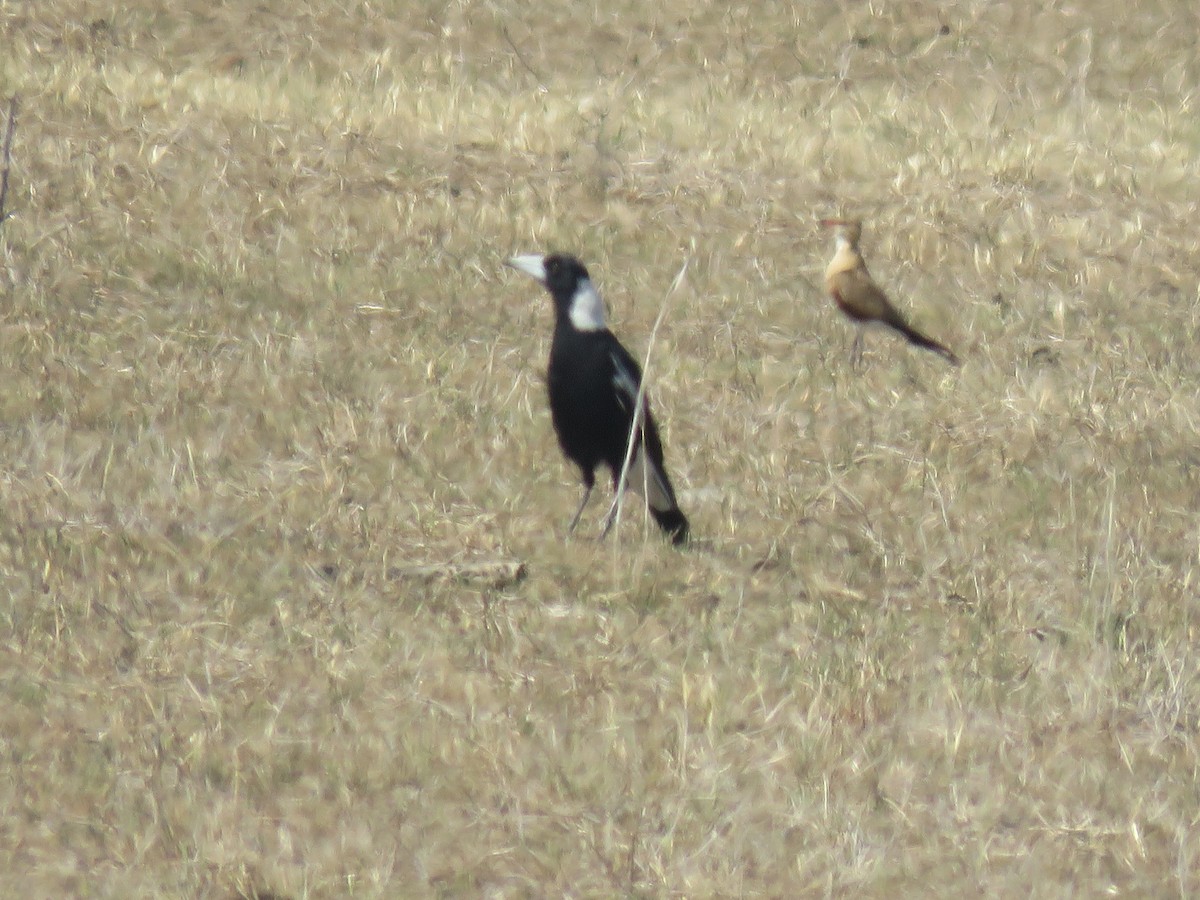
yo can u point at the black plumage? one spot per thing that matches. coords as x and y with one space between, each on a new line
593 386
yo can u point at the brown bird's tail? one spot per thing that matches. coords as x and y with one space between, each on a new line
915 337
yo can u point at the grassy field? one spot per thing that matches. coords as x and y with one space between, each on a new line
272 406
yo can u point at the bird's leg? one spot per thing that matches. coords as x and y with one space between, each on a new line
856 348
587 495
610 517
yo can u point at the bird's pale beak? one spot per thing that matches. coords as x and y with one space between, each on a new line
532 264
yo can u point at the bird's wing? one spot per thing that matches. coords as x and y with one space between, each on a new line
626 378
856 293
648 480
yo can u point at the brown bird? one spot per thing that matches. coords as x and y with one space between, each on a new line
860 298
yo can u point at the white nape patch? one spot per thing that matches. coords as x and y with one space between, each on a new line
648 481
587 309
532 264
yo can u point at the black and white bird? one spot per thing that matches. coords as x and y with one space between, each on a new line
593 385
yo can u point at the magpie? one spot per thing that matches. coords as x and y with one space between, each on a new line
593 385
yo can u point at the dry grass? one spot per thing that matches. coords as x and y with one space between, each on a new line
262 363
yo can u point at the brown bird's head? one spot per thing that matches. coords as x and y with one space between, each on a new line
848 231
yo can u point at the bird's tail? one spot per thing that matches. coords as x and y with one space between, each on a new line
915 337
673 523
652 483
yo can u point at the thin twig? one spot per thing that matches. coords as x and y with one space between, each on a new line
521 58
635 429
8 139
